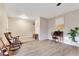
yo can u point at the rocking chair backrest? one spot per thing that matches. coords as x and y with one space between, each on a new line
7 37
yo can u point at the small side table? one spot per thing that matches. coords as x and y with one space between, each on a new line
35 36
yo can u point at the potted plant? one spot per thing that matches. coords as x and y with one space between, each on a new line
73 33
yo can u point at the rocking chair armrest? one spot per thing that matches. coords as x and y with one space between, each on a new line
17 36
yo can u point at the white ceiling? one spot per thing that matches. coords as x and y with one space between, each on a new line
34 10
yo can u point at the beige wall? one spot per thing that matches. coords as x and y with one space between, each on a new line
41 27
51 27
72 19
21 27
3 23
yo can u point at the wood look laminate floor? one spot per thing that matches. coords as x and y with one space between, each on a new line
46 48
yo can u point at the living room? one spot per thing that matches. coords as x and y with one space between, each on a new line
25 20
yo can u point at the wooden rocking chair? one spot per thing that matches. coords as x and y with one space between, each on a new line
14 42
4 50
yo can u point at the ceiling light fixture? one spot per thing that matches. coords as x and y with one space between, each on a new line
58 4
23 17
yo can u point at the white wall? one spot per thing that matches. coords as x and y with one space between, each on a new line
37 26
21 27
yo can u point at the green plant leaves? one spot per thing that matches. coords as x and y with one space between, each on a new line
72 33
